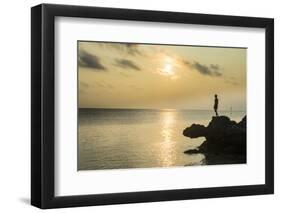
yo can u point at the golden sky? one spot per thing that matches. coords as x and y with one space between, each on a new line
127 75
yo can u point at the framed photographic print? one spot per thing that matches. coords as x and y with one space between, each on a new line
139 106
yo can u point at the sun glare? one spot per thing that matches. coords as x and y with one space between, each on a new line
168 68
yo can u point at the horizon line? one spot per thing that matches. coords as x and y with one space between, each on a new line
228 110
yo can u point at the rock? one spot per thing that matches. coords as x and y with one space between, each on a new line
192 151
224 137
195 131
243 123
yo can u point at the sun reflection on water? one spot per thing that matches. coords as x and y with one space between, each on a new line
167 131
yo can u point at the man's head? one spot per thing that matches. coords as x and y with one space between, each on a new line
216 95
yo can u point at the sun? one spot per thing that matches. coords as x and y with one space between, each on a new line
167 68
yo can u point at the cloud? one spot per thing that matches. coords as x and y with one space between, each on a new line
133 49
217 74
102 85
215 66
125 74
90 61
129 48
211 70
83 84
125 63
186 62
205 70
135 87
234 83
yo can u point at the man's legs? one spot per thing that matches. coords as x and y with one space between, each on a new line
216 111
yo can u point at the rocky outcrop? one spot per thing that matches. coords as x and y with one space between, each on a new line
224 137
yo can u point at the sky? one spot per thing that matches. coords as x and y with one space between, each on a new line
154 76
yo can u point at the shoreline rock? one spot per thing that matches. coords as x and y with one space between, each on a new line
225 140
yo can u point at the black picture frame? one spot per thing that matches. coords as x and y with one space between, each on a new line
43 102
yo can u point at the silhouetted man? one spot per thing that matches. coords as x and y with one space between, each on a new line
216 105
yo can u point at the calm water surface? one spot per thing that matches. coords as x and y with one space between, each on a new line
130 138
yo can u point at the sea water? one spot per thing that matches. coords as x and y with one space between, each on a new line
139 138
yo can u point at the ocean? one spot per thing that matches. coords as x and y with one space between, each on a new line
139 138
